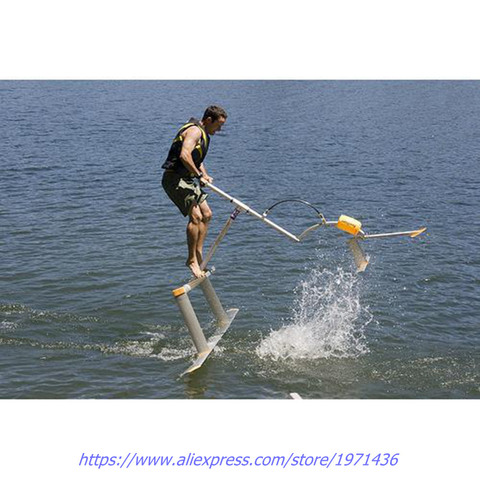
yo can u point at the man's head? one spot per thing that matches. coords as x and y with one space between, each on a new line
213 119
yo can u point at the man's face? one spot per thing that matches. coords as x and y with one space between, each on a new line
214 126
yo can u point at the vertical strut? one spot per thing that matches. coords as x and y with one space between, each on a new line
219 238
214 302
224 318
193 325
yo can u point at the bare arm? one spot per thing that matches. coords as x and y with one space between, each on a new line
192 135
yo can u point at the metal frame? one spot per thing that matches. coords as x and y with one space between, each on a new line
223 317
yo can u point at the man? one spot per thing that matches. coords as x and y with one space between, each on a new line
185 163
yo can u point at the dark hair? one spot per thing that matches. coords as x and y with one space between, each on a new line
214 112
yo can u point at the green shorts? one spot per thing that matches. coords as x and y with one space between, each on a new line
183 191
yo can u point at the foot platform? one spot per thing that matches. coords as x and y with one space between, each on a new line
224 318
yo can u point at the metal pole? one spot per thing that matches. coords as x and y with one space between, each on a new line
192 323
214 302
248 210
219 238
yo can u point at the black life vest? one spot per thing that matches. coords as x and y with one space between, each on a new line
199 153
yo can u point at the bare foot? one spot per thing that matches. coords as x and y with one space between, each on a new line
195 268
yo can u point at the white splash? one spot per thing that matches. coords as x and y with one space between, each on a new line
326 320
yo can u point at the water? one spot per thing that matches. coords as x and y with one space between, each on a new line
91 247
324 323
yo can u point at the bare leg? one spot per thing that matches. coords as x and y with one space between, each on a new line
203 230
193 234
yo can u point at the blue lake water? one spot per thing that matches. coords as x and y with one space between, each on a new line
91 247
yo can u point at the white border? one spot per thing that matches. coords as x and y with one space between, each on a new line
259 39
342 39
434 439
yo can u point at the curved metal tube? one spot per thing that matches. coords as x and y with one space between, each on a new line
298 200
